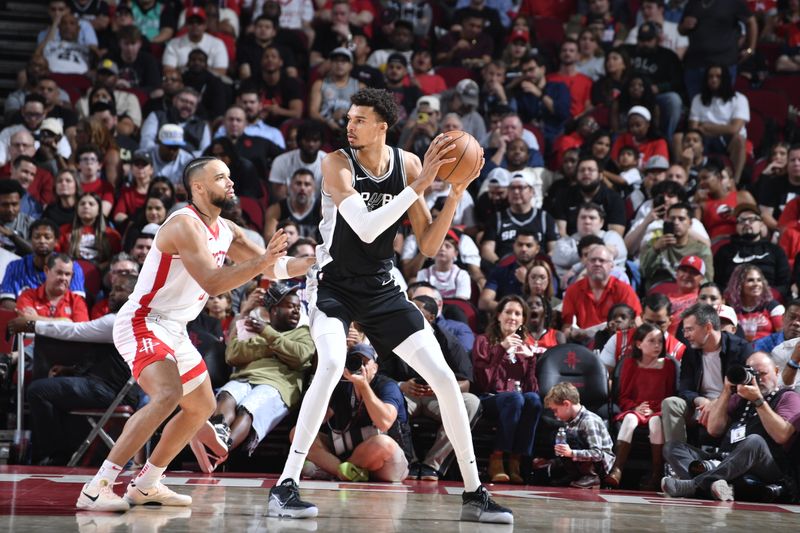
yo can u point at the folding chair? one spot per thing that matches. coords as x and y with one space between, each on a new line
98 418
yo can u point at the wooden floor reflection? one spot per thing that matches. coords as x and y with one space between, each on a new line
36 500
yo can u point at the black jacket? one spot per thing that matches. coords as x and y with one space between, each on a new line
456 356
734 350
770 258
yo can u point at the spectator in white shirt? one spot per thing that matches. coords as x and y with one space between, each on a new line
176 54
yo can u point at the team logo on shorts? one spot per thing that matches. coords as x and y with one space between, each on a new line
148 346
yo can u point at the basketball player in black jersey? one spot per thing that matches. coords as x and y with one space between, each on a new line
366 190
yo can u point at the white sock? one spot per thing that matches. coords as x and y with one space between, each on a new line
149 476
421 351
331 342
107 475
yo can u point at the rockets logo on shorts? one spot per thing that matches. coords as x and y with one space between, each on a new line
148 346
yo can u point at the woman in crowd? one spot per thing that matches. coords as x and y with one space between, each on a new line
721 113
93 131
716 199
646 379
748 293
517 49
221 308
539 281
608 88
132 196
505 379
636 91
540 325
641 135
777 163
591 62
67 191
598 146
154 211
88 237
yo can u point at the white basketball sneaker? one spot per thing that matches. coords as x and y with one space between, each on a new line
103 499
159 494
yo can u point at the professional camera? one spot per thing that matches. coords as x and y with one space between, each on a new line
742 375
353 363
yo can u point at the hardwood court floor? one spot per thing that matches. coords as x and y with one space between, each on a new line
37 500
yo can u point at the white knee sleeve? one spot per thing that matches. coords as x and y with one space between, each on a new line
422 352
329 336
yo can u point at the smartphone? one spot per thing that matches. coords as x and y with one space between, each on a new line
658 201
421 381
422 117
669 228
264 283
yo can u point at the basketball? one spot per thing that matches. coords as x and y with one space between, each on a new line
468 158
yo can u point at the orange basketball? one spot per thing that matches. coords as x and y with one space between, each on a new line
468 158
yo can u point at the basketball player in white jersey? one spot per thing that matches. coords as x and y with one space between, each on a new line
184 266
366 189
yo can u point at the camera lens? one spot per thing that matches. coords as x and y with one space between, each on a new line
739 375
353 363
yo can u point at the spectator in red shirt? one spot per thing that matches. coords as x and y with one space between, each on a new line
90 159
641 135
587 301
88 237
132 197
559 9
22 143
53 300
580 85
749 294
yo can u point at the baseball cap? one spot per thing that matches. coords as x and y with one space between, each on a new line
647 31
171 135
499 176
741 208
657 162
142 156
196 12
431 101
363 349
694 262
451 234
520 35
341 51
524 178
52 125
468 91
108 65
397 57
640 110
277 291
727 312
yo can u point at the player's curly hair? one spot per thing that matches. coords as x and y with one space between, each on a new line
380 100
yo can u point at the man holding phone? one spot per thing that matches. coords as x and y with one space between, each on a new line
661 256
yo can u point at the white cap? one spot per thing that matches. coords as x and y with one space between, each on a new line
149 229
431 101
499 176
727 312
524 177
171 135
53 125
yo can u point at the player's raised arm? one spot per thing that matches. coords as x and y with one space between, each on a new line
368 225
186 237
243 249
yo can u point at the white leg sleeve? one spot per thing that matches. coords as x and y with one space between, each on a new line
656 430
421 351
629 423
331 341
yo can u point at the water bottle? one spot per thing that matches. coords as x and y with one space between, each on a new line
517 386
561 436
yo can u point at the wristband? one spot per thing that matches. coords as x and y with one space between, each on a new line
792 364
281 267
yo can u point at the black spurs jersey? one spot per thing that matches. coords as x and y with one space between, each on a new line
342 253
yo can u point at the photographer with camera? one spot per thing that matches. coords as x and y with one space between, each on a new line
270 360
758 420
365 434
661 257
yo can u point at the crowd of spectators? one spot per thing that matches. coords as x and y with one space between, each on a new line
624 184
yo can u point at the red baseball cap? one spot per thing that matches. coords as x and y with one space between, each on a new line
196 12
693 261
520 35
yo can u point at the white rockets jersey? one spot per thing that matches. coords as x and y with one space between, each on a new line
165 287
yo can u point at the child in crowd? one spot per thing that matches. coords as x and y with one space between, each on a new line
221 308
587 455
629 177
621 317
449 279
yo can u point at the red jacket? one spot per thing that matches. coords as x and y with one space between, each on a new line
69 306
